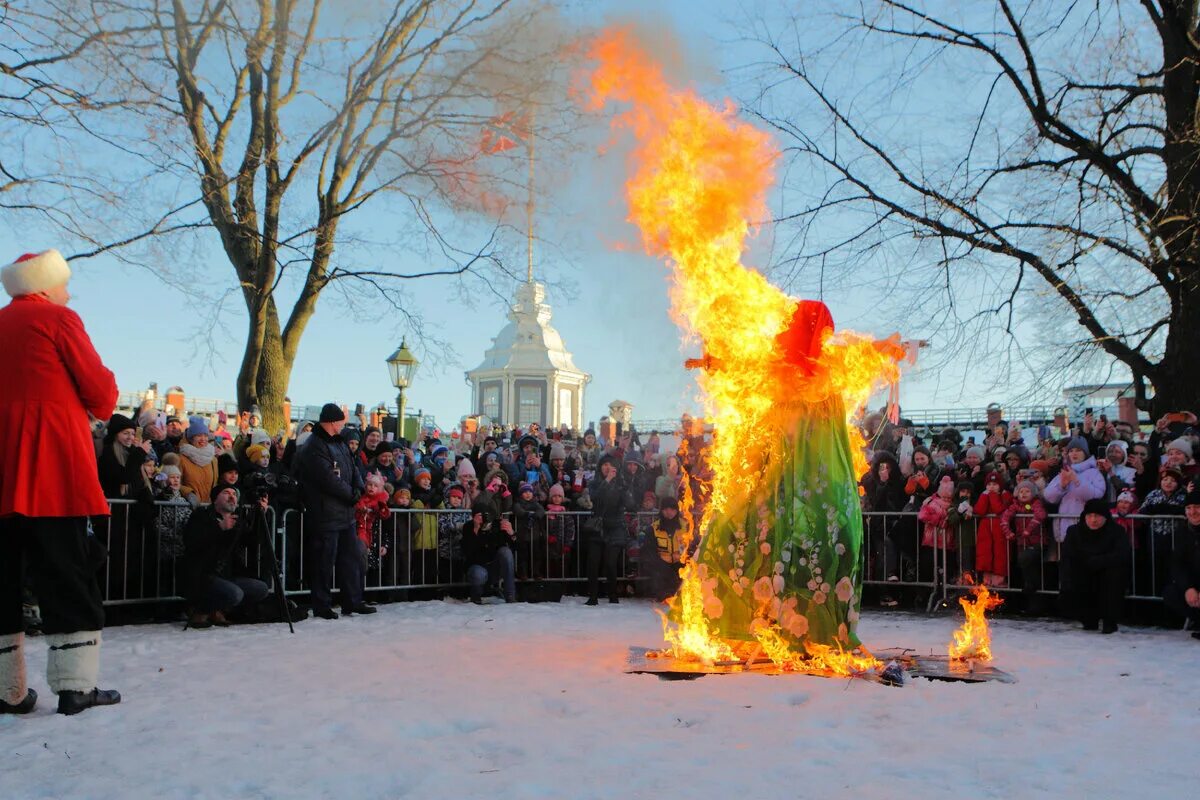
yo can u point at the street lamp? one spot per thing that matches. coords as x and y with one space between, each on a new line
401 366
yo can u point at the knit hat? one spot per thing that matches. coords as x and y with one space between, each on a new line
331 412
236 494
196 427
1127 496
439 450
1096 506
34 273
1041 465
556 490
118 423
668 502
1030 485
1192 498
371 429
992 477
170 459
1079 443
256 451
422 471
170 469
976 451
466 469
152 418
1182 445
557 451
456 488
226 463
525 487
964 486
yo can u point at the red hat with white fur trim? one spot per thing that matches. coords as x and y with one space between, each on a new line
35 272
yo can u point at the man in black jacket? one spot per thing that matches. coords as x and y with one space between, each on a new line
1095 563
210 539
610 500
331 486
1182 594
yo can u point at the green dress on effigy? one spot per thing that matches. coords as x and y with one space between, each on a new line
788 554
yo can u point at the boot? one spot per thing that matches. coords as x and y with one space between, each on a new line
70 702
24 707
14 693
361 608
592 601
219 619
325 613
73 663
199 621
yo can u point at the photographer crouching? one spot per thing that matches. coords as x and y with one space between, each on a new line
211 538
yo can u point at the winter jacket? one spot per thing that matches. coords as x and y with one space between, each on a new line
610 501
117 480
1185 558
1025 522
331 483
173 516
988 509
368 511
882 496
1089 485
1085 550
668 537
53 379
528 520
197 481
920 485
481 548
208 551
934 513
1157 504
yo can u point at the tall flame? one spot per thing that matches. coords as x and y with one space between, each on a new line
699 178
974 640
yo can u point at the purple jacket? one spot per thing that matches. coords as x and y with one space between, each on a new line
1089 485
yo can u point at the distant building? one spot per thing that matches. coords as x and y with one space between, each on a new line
528 375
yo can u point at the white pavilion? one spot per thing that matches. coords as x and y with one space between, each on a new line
528 375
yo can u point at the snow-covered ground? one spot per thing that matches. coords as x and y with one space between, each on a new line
449 700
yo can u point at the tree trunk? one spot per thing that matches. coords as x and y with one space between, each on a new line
1179 389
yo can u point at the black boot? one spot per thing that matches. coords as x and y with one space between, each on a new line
325 613
74 702
24 707
614 599
361 608
592 601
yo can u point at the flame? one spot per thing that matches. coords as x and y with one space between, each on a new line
973 640
818 659
699 177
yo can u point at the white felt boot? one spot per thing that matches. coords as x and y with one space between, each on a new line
12 668
74 661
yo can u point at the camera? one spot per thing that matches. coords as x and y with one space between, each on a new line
265 484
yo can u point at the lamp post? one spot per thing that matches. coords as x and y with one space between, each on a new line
401 366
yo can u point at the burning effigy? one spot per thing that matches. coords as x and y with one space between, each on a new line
776 573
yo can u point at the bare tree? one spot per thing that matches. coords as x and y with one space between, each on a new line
1014 161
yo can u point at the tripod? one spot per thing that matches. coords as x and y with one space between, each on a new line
262 534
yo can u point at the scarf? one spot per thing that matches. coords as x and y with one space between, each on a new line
201 457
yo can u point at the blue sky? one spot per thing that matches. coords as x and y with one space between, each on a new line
609 299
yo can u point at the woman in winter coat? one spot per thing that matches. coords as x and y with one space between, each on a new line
991 545
1165 504
1077 482
197 463
610 500
120 462
883 488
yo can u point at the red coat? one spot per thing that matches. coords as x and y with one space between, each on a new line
52 379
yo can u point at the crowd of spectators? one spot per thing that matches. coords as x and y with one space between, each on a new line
1097 512
506 509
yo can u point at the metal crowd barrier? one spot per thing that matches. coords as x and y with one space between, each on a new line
416 549
894 556
421 549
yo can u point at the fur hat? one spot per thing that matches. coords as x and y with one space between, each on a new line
256 451
34 273
1180 444
196 427
331 412
1096 506
492 474
1079 443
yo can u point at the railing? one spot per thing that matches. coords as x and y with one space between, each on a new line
421 549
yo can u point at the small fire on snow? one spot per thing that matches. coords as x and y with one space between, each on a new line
973 641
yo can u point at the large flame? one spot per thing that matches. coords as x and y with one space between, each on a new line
973 640
699 179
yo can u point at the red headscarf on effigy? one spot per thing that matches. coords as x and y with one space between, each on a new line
800 344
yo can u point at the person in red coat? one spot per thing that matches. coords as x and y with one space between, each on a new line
991 545
49 484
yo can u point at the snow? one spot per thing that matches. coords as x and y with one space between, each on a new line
451 700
